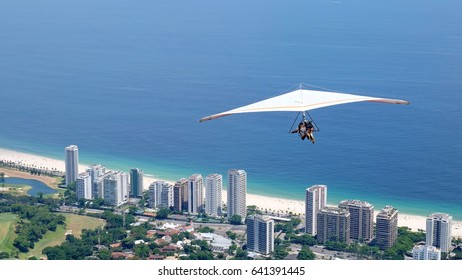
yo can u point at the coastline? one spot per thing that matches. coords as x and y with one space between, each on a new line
414 222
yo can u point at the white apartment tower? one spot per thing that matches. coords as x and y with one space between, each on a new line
195 194
237 192
439 231
115 188
213 189
260 234
315 200
160 194
100 184
424 252
96 171
72 163
84 186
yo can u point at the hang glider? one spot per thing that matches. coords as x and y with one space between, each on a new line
302 100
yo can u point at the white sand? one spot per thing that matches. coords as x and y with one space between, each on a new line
263 202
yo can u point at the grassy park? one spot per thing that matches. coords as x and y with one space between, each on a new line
7 235
74 225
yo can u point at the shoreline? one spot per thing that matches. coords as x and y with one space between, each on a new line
282 205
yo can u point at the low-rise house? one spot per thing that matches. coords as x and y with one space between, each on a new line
168 249
115 245
156 257
122 255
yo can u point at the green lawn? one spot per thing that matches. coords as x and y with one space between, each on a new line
74 224
7 235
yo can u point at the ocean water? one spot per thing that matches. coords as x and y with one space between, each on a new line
127 82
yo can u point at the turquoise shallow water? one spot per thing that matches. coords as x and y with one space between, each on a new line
127 84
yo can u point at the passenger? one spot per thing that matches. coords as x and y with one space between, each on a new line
302 130
310 129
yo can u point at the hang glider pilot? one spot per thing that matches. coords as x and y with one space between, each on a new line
305 130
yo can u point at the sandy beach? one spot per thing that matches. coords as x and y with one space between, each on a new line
262 202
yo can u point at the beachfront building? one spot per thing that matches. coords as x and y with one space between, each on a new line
136 182
72 163
424 252
115 188
160 194
315 200
260 234
361 219
84 187
180 195
237 192
100 184
386 228
195 194
333 224
213 189
95 171
439 231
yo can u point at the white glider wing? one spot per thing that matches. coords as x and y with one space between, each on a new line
302 100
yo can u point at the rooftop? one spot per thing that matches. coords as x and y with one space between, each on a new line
439 216
387 212
335 211
355 202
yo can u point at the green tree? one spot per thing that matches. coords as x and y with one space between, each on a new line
306 254
235 219
104 254
231 235
142 251
4 255
280 252
162 213
240 254
232 248
139 232
205 230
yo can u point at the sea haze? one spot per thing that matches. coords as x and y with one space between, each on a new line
127 82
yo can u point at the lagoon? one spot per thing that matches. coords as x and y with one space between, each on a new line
36 185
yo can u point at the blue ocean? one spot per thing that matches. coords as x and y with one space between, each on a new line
127 81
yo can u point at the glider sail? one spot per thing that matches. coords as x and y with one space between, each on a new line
302 100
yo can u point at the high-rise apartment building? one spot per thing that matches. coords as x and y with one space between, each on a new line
315 200
100 184
424 252
160 194
260 234
72 163
136 182
195 194
115 188
213 189
439 231
237 193
180 195
333 224
361 219
386 228
84 187
96 171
